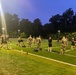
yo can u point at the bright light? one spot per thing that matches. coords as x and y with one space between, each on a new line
3 28
18 30
3 20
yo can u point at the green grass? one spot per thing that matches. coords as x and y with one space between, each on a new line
55 54
15 63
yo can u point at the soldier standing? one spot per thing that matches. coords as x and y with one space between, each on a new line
29 41
50 44
63 45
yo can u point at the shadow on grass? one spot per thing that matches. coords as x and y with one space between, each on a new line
54 51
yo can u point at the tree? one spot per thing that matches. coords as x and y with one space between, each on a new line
25 26
55 21
12 22
37 27
67 20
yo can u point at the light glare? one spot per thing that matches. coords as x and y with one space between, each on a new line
3 20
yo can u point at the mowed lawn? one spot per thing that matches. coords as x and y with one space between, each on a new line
13 62
69 56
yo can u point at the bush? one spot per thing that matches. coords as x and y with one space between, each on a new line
23 35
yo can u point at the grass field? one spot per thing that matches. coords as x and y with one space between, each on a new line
13 62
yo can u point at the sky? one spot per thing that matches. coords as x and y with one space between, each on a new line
42 9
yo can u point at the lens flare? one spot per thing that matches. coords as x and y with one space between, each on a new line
4 29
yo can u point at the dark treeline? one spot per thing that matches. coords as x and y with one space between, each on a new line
65 23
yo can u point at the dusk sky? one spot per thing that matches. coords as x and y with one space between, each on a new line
42 9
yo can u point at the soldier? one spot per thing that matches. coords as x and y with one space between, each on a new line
29 41
50 44
19 41
73 44
39 42
63 45
4 40
33 40
7 38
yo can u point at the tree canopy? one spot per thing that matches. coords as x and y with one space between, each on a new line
65 23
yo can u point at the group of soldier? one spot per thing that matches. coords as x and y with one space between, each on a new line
4 40
32 40
64 44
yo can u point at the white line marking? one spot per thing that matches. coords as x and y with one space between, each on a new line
48 58
68 50
70 55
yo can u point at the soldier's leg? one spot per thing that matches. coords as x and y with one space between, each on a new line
50 49
72 47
